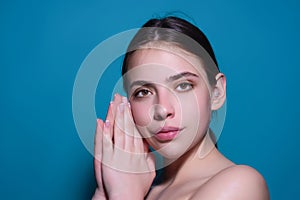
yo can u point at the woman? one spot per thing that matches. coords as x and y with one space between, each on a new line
173 85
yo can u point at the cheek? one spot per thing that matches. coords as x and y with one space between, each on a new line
196 108
204 108
140 113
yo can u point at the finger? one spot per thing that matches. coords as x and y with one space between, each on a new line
119 127
113 110
98 140
138 141
98 152
107 144
110 118
128 129
110 113
117 100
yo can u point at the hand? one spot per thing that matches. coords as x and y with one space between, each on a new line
128 169
100 192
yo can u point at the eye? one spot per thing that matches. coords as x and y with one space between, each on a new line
142 93
184 87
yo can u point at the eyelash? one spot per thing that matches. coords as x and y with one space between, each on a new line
190 86
137 94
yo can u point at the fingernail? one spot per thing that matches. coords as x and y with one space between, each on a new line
121 107
129 105
124 100
98 121
107 123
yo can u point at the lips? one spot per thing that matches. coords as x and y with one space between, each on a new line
167 133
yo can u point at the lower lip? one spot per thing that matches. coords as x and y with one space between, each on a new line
166 136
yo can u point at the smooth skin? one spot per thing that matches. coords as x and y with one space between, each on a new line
118 156
196 169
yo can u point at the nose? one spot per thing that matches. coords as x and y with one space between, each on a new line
165 106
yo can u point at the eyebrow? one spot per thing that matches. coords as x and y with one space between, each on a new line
180 75
138 83
169 79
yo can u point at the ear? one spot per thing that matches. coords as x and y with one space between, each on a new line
218 95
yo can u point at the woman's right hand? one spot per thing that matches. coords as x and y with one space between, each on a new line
127 169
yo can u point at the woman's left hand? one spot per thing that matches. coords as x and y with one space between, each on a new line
128 169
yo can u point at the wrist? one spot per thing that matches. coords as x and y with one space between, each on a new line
98 195
134 195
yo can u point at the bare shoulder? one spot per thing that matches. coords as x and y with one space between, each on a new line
235 182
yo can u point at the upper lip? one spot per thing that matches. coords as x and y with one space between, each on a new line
169 129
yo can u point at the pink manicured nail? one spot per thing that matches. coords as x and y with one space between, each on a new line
116 96
121 107
124 100
107 124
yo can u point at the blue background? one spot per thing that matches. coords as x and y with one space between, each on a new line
43 44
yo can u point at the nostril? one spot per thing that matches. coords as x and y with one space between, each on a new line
159 112
169 115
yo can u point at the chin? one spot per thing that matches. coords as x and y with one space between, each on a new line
170 151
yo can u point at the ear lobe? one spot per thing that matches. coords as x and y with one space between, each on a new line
219 92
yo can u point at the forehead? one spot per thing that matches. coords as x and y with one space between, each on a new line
157 63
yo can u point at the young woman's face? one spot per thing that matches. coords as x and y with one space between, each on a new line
170 99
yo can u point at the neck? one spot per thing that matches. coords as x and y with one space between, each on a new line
196 156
